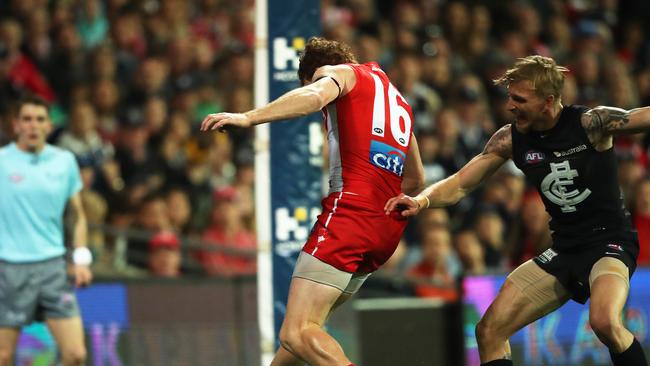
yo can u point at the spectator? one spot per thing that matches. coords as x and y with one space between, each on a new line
21 70
152 216
38 41
92 24
95 206
433 275
424 100
105 97
470 252
165 255
227 231
68 55
180 210
83 140
150 81
243 184
138 161
156 119
630 172
489 229
532 236
450 155
429 146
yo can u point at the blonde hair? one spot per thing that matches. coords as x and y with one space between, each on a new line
546 76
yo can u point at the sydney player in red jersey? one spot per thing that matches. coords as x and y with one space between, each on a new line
373 156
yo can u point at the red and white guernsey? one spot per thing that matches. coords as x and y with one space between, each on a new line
369 133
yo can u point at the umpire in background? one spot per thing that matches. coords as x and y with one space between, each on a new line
38 183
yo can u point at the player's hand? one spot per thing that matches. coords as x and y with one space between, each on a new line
408 204
82 275
224 121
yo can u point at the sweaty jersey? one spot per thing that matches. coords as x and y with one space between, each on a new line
369 132
578 184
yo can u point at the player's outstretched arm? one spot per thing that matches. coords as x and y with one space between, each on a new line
413 177
329 82
452 189
605 120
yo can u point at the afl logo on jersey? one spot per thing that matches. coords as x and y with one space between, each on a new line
534 157
387 157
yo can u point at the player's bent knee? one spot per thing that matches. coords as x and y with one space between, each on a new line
484 331
489 330
289 338
605 326
295 339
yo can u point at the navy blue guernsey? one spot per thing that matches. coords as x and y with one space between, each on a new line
578 184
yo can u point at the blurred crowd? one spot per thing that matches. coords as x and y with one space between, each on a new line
130 81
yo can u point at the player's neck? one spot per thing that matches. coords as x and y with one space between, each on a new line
29 149
550 119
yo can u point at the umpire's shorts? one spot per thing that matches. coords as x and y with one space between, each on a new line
35 291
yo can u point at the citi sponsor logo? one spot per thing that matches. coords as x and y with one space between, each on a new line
534 157
387 157
571 151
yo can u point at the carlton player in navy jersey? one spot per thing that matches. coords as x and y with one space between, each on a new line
567 153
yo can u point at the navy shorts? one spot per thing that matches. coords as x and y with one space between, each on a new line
572 266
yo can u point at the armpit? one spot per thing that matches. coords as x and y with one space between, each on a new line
500 143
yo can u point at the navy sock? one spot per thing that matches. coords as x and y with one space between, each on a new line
498 363
633 356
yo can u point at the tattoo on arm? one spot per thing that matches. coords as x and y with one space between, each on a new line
605 119
500 143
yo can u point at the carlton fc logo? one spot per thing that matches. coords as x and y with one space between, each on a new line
556 187
534 157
